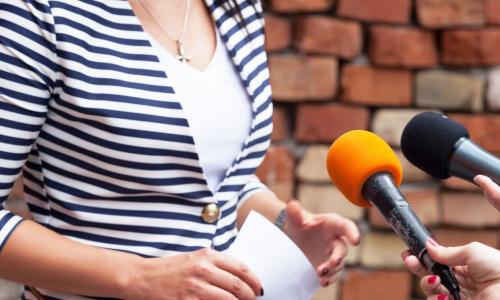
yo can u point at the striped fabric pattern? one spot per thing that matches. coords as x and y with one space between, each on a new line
88 114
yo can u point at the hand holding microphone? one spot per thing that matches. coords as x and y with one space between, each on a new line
490 189
366 170
442 148
476 266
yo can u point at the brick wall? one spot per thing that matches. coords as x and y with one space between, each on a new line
338 65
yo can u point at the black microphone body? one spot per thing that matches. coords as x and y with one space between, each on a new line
381 191
469 160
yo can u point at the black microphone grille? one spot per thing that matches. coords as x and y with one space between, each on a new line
428 142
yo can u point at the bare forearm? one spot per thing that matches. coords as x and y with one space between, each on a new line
39 257
266 203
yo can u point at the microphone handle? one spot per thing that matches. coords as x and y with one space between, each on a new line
469 160
381 191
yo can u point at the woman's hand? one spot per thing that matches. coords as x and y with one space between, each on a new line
476 266
324 238
491 190
203 274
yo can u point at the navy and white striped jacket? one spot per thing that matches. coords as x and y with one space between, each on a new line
90 116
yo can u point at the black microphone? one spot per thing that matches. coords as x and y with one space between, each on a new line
442 148
367 172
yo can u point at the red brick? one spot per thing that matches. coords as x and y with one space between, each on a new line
468 209
378 87
311 167
277 171
382 250
484 129
321 199
278 33
492 9
471 47
320 34
458 237
278 165
402 47
281 124
424 202
327 293
368 285
324 123
445 13
386 11
289 6
303 77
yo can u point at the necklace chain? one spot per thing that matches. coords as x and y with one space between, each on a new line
182 56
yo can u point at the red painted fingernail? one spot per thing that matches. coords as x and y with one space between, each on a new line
442 297
325 271
261 291
432 279
339 261
433 242
327 283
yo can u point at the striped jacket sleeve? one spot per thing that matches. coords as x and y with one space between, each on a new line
254 185
27 74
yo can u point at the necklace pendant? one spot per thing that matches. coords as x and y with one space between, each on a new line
182 56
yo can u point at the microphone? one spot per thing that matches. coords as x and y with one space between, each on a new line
442 148
367 172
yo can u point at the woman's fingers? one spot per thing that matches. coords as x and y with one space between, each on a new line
229 282
452 256
442 296
431 285
344 227
334 264
211 292
413 264
238 269
491 190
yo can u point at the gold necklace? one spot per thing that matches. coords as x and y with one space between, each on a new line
182 56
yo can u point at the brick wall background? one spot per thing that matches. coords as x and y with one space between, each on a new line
338 65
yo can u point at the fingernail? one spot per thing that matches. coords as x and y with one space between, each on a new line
442 297
433 242
432 279
261 291
327 283
325 271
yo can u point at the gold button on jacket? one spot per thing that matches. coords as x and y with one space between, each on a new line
210 213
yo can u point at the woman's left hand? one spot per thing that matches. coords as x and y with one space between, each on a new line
324 239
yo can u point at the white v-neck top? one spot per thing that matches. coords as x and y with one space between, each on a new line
217 108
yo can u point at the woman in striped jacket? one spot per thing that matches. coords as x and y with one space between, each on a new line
138 126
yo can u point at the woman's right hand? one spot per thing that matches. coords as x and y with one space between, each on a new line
202 274
491 190
476 266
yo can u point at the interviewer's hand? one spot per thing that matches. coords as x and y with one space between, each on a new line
476 266
323 238
202 274
491 190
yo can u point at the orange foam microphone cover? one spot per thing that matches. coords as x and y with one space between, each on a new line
357 155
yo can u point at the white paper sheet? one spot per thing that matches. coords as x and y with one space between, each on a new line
285 272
